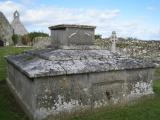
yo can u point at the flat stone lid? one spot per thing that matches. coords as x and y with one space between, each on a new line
62 26
50 62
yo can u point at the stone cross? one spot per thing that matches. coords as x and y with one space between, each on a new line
113 39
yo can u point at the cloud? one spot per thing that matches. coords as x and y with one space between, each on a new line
41 17
47 16
8 7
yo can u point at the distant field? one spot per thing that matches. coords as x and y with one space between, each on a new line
144 109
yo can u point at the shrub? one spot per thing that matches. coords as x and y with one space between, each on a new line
28 39
98 36
15 39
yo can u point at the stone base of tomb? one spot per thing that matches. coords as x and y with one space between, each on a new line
52 96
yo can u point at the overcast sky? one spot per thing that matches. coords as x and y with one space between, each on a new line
129 18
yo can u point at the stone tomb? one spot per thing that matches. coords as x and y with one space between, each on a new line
50 82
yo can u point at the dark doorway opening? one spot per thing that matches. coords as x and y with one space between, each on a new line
1 43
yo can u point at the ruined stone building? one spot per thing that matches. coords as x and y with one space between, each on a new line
17 25
75 75
6 31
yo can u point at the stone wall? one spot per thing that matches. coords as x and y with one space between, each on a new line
134 48
42 42
72 93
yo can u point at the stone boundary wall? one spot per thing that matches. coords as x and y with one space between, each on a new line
42 42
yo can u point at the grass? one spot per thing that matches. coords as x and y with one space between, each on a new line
4 51
9 110
144 109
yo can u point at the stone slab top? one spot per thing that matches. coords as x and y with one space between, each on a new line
50 62
63 26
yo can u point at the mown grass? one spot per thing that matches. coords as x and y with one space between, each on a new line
144 109
9 110
4 51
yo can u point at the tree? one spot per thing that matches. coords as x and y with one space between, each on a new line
15 39
98 36
33 35
28 39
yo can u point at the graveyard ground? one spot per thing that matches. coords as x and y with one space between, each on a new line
144 109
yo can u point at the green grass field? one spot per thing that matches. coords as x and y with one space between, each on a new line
144 109
4 51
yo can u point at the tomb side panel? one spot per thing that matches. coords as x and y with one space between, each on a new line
108 88
72 93
61 94
23 89
140 83
80 36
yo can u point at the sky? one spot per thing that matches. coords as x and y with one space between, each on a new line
129 18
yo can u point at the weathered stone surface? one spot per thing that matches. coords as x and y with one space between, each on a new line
17 25
72 35
51 82
42 42
6 31
49 62
56 95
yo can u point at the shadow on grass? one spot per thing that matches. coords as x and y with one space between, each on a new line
9 109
